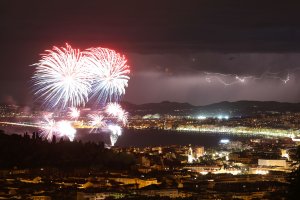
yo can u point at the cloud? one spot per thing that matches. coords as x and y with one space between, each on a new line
169 44
155 87
242 64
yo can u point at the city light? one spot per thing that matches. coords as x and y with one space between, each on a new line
220 117
224 141
201 117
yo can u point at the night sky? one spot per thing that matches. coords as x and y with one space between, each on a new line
199 52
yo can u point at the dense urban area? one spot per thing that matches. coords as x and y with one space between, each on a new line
258 166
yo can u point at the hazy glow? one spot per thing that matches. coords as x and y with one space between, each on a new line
261 172
65 129
201 117
74 113
61 129
232 79
224 141
220 117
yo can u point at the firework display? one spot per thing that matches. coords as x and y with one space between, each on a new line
67 78
48 128
65 129
62 128
110 73
116 131
60 78
74 113
115 110
96 121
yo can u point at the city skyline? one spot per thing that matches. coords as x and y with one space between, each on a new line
155 100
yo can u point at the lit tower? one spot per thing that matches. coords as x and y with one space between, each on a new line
190 155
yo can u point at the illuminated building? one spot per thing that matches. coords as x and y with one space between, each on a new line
273 163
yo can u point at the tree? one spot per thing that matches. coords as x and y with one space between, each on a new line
294 178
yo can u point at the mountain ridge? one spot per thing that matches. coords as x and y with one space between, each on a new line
236 108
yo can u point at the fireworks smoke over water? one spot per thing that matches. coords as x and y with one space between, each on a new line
66 77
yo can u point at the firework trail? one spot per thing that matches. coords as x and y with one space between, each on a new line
61 78
110 73
116 131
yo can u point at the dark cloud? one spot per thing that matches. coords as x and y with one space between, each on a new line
156 26
155 87
176 39
243 64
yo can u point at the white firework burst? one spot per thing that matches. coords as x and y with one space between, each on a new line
110 73
115 110
74 113
65 129
96 121
60 129
61 78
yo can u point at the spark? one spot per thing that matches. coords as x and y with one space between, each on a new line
96 121
74 113
115 110
61 78
65 129
123 117
48 128
116 131
61 129
110 73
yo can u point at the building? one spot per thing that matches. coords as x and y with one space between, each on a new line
199 152
272 163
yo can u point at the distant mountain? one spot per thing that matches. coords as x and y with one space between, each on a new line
238 108
165 107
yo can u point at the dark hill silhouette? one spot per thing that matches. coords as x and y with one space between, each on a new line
237 108
25 152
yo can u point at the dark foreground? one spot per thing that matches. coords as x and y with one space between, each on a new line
32 168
